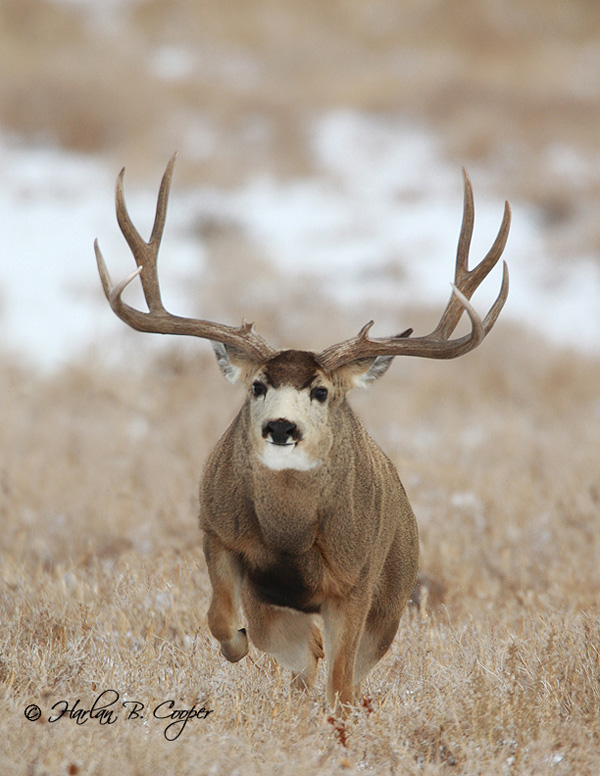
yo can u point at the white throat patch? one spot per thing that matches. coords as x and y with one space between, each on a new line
279 457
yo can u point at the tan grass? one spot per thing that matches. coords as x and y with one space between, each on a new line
104 585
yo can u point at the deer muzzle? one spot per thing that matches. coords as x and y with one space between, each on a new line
281 432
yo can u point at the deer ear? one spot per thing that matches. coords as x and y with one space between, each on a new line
363 373
232 362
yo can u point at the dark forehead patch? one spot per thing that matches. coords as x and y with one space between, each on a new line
297 368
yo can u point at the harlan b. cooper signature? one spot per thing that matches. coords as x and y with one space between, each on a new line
108 707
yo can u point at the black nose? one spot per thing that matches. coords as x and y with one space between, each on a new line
281 431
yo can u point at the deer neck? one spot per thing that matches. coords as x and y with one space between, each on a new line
287 504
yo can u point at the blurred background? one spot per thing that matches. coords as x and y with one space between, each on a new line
319 175
318 186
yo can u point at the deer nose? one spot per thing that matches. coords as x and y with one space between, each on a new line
281 431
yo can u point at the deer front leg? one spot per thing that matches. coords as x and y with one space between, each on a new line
226 580
343 624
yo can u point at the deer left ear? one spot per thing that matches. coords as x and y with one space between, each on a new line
232 362
363 373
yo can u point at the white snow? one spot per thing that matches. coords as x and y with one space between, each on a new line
384 196
53 205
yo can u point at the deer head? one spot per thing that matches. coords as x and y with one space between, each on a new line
293 395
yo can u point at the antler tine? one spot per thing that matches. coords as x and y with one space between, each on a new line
494 311
158 320
469 280
466 230
438 343
107 283
146 253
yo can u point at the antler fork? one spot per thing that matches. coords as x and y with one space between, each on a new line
158 319
438 344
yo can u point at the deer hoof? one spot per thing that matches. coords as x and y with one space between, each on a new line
237 647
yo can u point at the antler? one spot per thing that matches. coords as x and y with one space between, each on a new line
438 344
157 319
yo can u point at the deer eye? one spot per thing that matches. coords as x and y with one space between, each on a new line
320 394
259 389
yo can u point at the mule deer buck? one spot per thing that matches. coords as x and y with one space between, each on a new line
302 513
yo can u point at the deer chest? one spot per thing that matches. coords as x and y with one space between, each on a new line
293 581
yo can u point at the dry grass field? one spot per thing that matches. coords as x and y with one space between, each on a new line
103 586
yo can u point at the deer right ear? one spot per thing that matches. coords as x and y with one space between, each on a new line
364 372
232 362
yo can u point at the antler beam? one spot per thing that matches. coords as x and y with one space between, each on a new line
157 319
